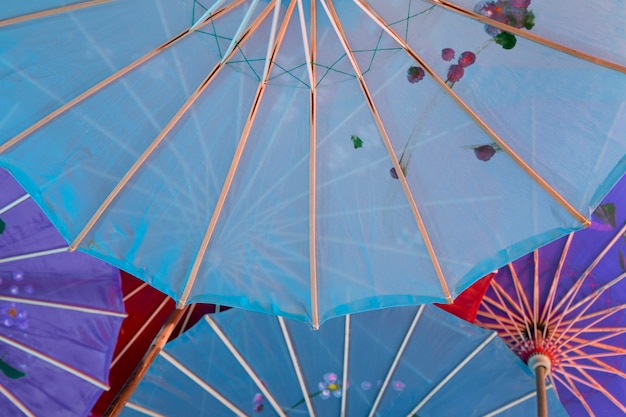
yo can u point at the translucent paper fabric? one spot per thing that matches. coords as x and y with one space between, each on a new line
567 300
252 160
428 363
60 314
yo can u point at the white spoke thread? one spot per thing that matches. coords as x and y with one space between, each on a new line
143 410
452 373
33 255
42 356
346 359
296 365
244 364
15 401
202 384
62 306
396 360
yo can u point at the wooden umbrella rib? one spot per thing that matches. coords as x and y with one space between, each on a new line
547 311
530 36
452 373
16 401
595 341
498 319
312 161
54 362
332 15
396 360
597 295
573 291
502 296
511 404
346 363
14 203
123 182
143 410
571 387
202 384
243 140
62 306
605 312
592 383
138 333
244 364
102 84
475 117
50 12
296 365
592 297
515 318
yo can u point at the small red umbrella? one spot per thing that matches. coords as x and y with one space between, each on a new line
148 309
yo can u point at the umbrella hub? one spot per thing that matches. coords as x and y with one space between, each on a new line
536 340
539 359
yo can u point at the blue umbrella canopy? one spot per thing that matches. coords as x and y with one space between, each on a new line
313 158
60 314
567 302
406 361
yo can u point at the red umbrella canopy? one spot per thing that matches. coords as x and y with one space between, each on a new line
147 310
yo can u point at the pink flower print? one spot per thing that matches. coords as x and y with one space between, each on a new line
415 74
447 54
455 73
467 58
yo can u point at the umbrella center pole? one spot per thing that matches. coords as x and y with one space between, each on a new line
540 365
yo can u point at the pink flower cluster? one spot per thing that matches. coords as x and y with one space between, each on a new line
510 12
456 71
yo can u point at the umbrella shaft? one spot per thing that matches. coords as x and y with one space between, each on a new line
127 390
542 400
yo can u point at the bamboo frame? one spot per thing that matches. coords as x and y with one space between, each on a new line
51 12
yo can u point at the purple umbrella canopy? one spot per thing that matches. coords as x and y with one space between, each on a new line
60 315
566 303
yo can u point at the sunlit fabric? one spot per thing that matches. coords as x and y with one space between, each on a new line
306 158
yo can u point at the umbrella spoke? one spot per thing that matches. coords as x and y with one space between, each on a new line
240 146
50 12
452 373
591 298
296 365
334 19
530 36
596 295
104 83
522 300
137 334
546 316
503 295
571 387
592 383
396 360
61 306
595 341
143 410
587 328
33 255
311 54
477 119
201 383
346 360
605 313
54 362
15 401
501 325
511 404
244 364
604 368
573 291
